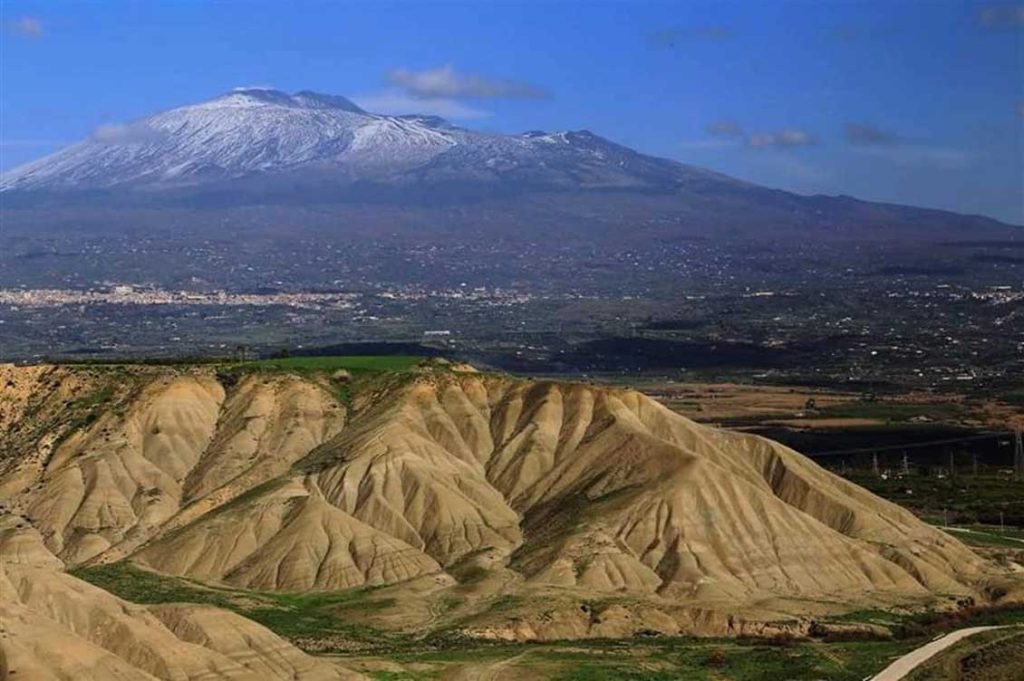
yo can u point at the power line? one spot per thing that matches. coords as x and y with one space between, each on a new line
866 450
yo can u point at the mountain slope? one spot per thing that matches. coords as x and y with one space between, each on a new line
462 489
266 159
58 627
249 132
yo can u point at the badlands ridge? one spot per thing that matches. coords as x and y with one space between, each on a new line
484 505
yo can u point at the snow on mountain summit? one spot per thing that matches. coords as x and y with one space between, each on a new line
238 133
254 131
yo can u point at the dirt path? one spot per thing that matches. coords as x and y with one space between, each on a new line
909 662
484 672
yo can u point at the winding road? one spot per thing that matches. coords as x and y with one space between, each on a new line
909 662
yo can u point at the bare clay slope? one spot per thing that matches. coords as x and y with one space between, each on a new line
57 627
466 489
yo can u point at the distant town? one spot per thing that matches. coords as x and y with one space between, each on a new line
836 315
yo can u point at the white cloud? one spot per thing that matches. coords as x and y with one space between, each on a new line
709 144
396 102
30 27
790 137
445 83
120 133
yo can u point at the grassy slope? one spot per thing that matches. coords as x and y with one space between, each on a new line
303 618
318 622
989 656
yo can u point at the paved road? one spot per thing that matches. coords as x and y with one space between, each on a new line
906 664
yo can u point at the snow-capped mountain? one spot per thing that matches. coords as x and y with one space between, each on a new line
254 131
297 161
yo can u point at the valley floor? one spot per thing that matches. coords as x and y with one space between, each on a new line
329 624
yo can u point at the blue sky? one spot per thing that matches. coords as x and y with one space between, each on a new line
910 102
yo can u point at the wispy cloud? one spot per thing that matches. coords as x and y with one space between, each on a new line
788 138
862 134
1001 16
896 149
717 143
725 128
30 27
446 83
729 133
909 155
670 38
396 102
120 133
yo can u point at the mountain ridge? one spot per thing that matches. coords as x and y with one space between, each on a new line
312 157
256 130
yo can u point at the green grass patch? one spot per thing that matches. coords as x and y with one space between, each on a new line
962 500
893 411
400 676
353 363
670 658
506 602
140 586
96 398
317 615
986 656
322 622
724 659
1014 397
304 618
986 538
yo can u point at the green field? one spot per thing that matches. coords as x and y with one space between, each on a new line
894 412
321 622
963 500
354 363
988 535
989 656
305 618
670 659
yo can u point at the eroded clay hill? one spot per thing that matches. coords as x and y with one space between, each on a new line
504 508
56 627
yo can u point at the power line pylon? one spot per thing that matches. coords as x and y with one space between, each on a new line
1018 457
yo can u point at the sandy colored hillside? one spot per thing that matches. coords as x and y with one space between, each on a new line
57 627
496 507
